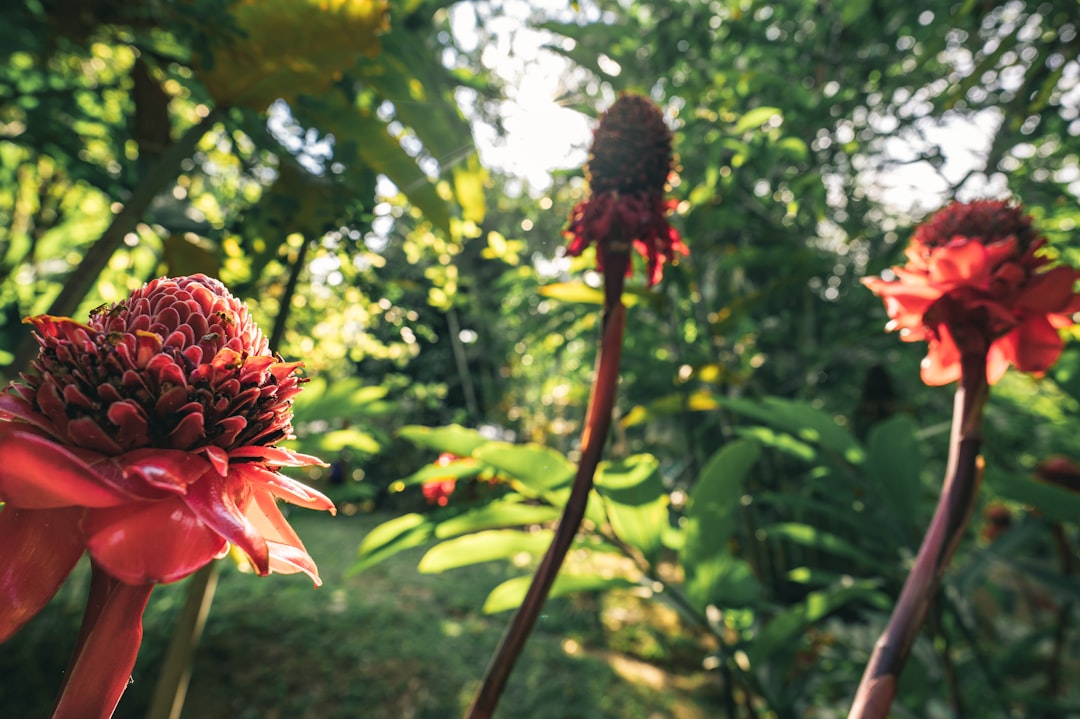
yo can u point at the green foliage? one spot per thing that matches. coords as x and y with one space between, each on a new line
763 479
711 517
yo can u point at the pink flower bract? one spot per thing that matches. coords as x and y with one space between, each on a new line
976 281
146 437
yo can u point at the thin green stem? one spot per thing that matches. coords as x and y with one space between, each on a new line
877 689
172 684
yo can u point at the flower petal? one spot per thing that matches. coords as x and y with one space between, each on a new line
942 362
960 262
170 470
1049 292
40 547
218 457
15 407
275 456
150 541
212 500
1035 344
288 489
38 473
287 552
998 360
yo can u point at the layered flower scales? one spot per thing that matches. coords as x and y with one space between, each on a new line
629 164
146 437
977 281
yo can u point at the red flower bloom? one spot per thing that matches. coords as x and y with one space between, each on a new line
145 437
438 490
629 164
976 282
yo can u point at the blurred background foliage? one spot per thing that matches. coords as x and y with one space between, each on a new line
334 163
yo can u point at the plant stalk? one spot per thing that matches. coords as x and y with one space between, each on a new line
172 684
963 475
593 436
105 652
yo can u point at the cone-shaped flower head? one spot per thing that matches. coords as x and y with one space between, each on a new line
977 283
146 436
629 164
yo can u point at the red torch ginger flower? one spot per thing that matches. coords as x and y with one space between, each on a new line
976 282
437 491
629 163
146 437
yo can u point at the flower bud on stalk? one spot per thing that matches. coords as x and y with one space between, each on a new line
979 289
629 164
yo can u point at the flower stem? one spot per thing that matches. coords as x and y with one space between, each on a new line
105 653
593 436
963 474
172 684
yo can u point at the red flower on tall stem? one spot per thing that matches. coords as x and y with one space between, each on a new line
977 282
629 164
146 438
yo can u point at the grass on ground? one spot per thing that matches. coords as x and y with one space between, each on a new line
390 643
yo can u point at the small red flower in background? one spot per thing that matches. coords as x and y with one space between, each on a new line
629 164
976 282
437 491
146 437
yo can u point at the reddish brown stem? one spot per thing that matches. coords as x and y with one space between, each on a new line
877 689
105 653
593 436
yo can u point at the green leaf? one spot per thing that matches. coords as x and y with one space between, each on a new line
809 536
510 593
500 513
452 438
454 470
802 421
389 538
781 441
538 468
361 136
756 118
822 512
469 180
699 401
573 292
711 515
851 11
790 623
342 398
794 146
893 469
483 547
351 438
635 500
